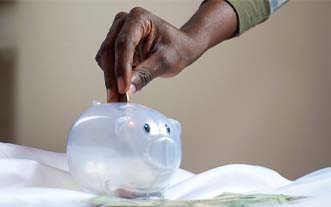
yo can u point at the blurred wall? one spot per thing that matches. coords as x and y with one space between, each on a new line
8 59
262 98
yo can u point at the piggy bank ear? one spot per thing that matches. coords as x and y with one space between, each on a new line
176 124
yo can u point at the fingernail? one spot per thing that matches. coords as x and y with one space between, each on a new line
120 84
131 90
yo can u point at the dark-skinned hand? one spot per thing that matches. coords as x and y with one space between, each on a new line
141 46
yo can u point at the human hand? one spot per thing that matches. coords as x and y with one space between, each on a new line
141 46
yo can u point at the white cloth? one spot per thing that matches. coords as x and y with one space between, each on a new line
33 177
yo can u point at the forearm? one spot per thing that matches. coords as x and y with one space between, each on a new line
218 20
214 22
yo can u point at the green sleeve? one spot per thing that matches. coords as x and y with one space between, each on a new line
250 12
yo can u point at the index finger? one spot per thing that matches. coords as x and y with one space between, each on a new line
133 30
105 57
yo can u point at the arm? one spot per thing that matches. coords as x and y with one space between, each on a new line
141 46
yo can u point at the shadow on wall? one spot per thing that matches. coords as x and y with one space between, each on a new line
7 83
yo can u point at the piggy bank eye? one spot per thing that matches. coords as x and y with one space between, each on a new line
147 128
168 128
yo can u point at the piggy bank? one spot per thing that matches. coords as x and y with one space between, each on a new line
123 147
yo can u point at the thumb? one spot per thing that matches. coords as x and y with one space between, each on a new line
146 71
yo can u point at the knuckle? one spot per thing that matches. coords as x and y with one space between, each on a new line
144 77
98 59
103 52
137 12
120 15
122 41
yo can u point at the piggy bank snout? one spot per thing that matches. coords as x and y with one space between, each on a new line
164 153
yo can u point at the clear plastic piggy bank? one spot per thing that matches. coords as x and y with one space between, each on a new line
124 149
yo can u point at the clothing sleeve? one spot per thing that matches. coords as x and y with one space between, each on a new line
252 12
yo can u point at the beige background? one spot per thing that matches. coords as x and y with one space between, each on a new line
262 98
